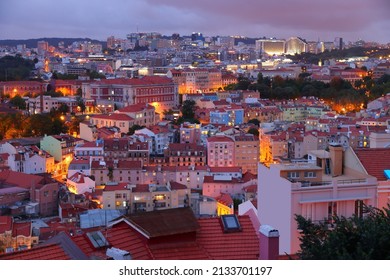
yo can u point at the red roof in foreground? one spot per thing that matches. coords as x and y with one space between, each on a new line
207 241
242 245
375 161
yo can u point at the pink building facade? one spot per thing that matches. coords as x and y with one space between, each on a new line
316 190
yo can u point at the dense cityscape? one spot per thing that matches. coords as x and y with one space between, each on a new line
186 147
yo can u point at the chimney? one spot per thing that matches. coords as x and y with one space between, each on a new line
336 160
269 243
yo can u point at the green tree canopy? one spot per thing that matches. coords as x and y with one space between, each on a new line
253 131
254 121
15 68
134 128
18 102
188 109
358 238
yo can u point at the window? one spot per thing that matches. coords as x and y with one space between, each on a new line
310 174
359 208
230 223
293 174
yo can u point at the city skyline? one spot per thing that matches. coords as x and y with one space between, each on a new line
351 19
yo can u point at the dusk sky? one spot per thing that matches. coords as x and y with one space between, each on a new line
310 19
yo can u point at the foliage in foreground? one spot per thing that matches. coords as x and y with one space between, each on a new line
351 238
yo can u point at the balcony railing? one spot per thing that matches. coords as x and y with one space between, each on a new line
351 181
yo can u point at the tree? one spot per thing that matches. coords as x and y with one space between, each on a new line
18 102
243 83
134 128
253 131
350 238
188 109
15 68
230 87
81 104
63 108
255 122
110 173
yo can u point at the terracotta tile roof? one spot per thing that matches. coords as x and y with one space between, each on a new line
177 186
141 188
247 176
250 189
375 167
114 117
219 138
20 179
117 187
179 251
120 236
21 229
135 108
43 252
5 224
225 199
219 245
173 240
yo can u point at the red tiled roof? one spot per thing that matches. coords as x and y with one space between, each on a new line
247 176
141 188
117 187
115 117
44 252
21 229
135 108
243 245
190 239
375 161
5 224
177 186
225 199
20 179
251 188
179 251
219 138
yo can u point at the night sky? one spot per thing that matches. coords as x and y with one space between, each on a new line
310 19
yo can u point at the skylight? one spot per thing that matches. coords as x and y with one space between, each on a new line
230 223
97 239
387 173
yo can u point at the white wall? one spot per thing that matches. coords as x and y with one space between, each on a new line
274 204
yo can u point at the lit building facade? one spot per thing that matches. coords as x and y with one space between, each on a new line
295 45
271 46
333 183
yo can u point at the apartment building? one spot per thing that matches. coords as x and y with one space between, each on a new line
330 183
145 197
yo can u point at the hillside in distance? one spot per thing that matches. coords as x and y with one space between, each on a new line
32 43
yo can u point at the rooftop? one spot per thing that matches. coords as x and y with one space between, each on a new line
375 161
